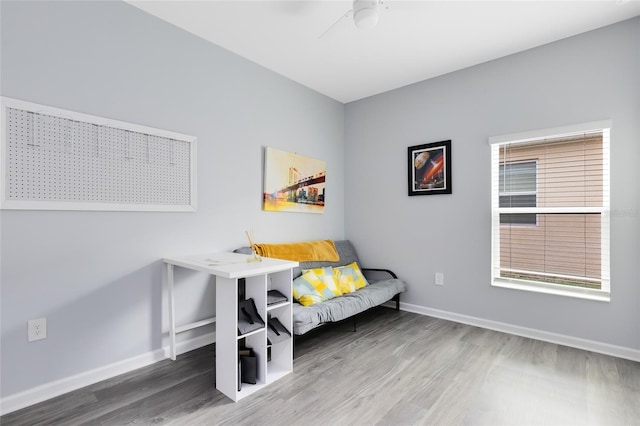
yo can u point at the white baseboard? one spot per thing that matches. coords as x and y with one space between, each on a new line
560 339
50 390
56 388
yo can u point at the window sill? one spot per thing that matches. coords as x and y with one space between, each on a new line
579 293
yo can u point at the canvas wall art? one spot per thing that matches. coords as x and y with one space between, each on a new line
293 182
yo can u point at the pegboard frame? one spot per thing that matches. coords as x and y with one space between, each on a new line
16 204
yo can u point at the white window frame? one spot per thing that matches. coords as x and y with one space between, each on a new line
604 293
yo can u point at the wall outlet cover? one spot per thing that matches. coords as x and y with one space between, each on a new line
37 329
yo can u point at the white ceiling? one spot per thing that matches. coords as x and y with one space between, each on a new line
413 41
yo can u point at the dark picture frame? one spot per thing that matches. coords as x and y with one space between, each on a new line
430 168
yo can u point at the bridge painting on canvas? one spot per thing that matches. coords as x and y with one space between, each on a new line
293 182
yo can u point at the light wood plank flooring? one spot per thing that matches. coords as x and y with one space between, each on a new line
398 368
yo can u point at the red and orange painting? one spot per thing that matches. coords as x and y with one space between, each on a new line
430 168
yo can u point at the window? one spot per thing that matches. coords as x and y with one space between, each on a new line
550 211
518 186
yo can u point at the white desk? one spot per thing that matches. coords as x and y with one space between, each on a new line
260 277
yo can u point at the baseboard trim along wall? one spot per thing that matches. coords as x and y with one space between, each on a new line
68 384
62 386
560 339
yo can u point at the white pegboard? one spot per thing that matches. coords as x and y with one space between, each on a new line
54 159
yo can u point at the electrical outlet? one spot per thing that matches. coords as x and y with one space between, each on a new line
37 329
439 278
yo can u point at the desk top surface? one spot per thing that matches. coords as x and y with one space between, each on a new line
231 265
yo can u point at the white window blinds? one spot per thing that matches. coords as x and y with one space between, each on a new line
550 210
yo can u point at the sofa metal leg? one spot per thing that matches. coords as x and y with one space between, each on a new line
354 324
397 300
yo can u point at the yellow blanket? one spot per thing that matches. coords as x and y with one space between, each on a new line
310 251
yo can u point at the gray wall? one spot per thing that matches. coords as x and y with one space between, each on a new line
96 276
589 77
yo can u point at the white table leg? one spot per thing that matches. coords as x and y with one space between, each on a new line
172 313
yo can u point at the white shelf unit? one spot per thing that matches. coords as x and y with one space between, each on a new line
259 277
281 362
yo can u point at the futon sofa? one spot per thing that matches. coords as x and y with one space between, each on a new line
383 286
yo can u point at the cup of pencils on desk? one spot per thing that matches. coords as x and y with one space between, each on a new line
256 257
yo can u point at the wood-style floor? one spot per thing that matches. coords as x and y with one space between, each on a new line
397 369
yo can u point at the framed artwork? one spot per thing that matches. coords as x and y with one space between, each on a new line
430 168
293 182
